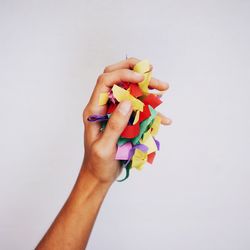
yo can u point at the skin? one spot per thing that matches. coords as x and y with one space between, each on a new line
72 226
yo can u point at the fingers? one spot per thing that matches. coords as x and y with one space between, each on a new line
125 64
106 81
113 74
158 84
129 64
104 84
164 120
117 123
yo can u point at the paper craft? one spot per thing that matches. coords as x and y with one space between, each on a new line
152 100
103 98
123 151
131 131
143 67
137 144
135 90
151 157
121 95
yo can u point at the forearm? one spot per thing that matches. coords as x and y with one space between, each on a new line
72 227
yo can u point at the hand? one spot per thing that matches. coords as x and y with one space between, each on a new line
73 224
100 147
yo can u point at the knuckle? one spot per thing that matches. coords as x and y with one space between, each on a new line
132 59
125 72
114 126
99 152
85 113
107 69
102 78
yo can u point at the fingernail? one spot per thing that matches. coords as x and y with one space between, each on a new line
166 85
139 76
124 107
169 121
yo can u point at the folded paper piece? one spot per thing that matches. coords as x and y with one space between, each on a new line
131 131
121 95
151 157
99 118
135 90
122 152
139 158
137 144
152 100
103 98
143 67
155 126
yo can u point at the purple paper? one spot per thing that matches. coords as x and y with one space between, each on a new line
111 97
141 147
98 118
157 144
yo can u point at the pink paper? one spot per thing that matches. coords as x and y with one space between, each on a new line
123 151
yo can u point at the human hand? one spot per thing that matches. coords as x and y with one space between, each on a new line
100 147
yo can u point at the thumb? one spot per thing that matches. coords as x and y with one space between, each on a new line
117 123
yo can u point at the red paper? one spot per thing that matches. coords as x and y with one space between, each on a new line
145 114
152 100
151 157
111 108
131 131
135 90
124 85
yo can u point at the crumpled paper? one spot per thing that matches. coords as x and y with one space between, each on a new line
137 144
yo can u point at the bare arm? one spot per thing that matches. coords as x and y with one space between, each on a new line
72 227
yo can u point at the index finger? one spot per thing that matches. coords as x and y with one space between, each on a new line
129 64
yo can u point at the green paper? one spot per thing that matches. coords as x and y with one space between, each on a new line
128 168
122 141
144 125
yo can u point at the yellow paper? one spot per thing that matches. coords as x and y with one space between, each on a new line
137 116
103 99
146 135
121 95
139 159
150 143
144 84
143 67
156 125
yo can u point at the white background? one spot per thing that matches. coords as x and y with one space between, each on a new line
196 195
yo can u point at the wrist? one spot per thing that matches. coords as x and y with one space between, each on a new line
103 172
88 177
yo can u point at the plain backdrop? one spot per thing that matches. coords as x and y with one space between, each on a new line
196 195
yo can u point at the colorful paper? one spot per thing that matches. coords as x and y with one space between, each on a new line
145 113
99 118
152 100
143 67
155 125
137 116
137 144
139 158
150 143
135 90
103 99
121 95
131 131
151 157
123 151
